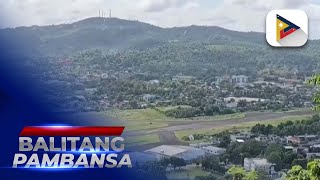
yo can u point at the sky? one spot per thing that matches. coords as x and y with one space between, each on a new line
240 15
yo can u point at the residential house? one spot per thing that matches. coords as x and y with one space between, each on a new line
293 140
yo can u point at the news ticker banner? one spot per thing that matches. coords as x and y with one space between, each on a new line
71 147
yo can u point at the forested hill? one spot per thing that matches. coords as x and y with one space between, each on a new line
192 50
114 34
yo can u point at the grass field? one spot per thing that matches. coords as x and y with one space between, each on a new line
168 108
147 115
240 127
137 115
146 119
142 140
139 119
218 117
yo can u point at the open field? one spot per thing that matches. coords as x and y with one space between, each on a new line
167 108
147 119
137 115
157 114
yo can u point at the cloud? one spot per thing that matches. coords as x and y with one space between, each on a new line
26 12
156 5
161 5
241 15
271 4
248 15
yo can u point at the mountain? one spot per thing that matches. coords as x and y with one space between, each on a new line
120 45
113 34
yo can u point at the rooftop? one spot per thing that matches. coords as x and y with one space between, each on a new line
213 148
258 161
172 150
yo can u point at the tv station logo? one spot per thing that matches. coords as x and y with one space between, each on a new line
287 28
71 147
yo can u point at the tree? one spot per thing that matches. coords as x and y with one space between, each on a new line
209 177
212 163
177 162
268 129
315 80
237 172
151 170
301 162
263 176
314 168
298 173
275 158
273 148
288 158
224 141
165 162
252 175
185 138
236 152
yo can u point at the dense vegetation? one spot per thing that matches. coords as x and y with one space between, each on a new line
195 50
207 60
311 173
308 126
132 53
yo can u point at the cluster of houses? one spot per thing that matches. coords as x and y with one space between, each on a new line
65 77
306 145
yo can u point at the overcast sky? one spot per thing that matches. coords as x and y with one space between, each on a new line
241 15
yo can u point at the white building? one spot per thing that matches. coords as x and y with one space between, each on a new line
241 79
185 152
242 137
191 137
261 138
219 79
258 164
155 81
200 145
